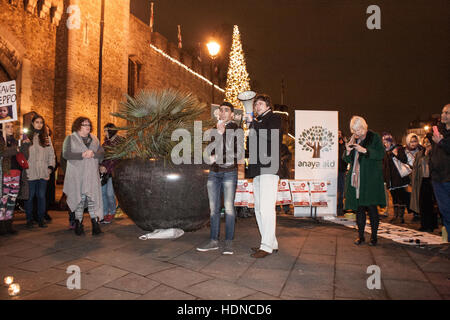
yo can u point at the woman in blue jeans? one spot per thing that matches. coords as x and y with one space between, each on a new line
106 170
41 164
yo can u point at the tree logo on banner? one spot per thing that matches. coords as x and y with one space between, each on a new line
316 139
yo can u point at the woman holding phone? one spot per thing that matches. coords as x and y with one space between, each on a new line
364 181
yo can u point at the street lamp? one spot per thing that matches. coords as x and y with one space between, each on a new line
213 48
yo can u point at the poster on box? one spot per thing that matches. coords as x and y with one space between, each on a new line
318 192
316 158
8 101
300 193
250 195
284 193
241 196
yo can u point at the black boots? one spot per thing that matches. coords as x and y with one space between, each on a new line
2 228
6 227
47 217
95 227
9 227
42 224
395 214
79 227
359 241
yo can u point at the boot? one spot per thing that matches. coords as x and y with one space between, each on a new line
401 213
47 217
42 224
9 227
2 228
395 214
79 227
95 227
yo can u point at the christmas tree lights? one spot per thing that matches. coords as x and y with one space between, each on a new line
238 79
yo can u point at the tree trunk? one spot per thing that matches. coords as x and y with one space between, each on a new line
317 147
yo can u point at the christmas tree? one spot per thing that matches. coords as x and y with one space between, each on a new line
238 79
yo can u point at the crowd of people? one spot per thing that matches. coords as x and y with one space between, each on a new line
416 175
28 165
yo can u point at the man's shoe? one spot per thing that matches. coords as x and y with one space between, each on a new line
260 254
373 242
228 249
359 241
30 224
47 217
211 245
256 249
42 224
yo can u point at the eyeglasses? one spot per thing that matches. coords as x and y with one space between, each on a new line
85 125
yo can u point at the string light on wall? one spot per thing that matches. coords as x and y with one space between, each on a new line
165 55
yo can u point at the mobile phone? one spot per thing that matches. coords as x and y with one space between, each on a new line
436 131
352 145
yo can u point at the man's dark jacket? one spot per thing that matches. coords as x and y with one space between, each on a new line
270 121
440 157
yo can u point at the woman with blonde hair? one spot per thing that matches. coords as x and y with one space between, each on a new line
364 181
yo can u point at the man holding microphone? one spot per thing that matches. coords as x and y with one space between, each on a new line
263 144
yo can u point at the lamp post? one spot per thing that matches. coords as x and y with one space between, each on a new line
213 48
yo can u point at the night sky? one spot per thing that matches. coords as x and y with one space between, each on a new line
326 54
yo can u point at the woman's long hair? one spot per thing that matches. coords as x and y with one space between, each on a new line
43 134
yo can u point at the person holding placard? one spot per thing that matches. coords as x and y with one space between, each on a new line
364 181
11 174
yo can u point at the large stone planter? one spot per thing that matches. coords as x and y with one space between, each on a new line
158 197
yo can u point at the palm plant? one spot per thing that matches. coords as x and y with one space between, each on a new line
151 118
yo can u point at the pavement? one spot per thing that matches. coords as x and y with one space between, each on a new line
315 261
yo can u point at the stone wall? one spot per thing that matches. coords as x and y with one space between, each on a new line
57 68
159 72
27 55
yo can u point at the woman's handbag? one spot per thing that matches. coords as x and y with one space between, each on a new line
23 163
403 169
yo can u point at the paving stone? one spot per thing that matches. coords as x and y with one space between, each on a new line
84 264
441 282
179 277
357 289
208 290
45 262
410 290
315 263
260 296
314 284
269 281
389 248
346 271
109 294
320 245
54 292
170 249
429 263
196 260
33 253
229 267
99 276
15 246
399 268
133 283
6 261
144 265
350 257
163 292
